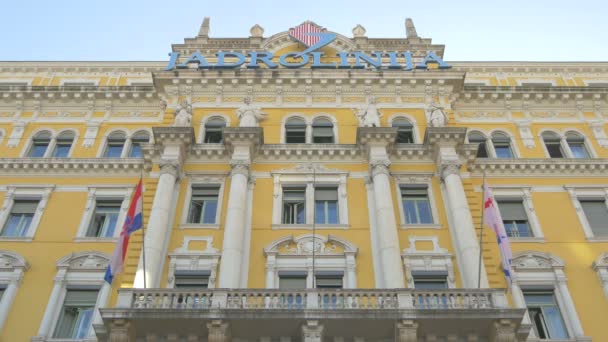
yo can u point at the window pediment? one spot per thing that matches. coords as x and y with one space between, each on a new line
86 260
536 261
304 245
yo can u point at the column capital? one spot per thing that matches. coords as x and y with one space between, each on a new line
218 331
121 331
170 166
504 331
312 331
446 169
240 167
379 166
406 331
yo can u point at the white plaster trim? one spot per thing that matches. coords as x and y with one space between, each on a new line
490 145
600 265
599 192
184 258
2 135
120 192
437 259
12 268
65 80
41 193
208 179
535 80
327 116
295 115
375 245
26 148
525 193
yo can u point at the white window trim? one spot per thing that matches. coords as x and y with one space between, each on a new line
184 258
201 129
544 269
525 193
600 265
98 192
536 80
39 192
412 120
303 175
126 148
437 259
218 179
295 254
12 269
95 81
490 145
426 179
308 120
26 149
601 193
2 134
564 143
85 268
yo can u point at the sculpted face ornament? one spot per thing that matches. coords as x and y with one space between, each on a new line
314 38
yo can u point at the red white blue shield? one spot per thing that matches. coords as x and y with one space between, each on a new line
302 33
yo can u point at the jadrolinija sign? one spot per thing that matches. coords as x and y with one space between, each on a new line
293 60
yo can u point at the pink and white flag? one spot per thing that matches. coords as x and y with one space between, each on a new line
491 217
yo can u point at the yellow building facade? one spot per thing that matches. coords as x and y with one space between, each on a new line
304 189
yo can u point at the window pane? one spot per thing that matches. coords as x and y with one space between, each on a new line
76 314
424 211
203 204
332 212
416 205
409 208
62 150
503 151
295 131
294 205
105 217
554 149
191 281
545 314
424 283
39 148
209 211
578 150
17 225
292 282
114 150
320 213
597 216
512 210
555 324
135 151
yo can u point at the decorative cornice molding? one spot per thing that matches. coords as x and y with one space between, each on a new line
48 166
545 167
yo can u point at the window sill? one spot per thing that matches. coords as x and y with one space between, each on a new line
95 239
309 226
17 238
421 226
199 226
527 239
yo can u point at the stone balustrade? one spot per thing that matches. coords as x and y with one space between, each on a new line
315 299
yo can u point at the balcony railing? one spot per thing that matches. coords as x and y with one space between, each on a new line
315 299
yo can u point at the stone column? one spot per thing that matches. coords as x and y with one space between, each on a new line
218 331
234 234
406 331
463 230
53 304
6 301
388 239
312 331
569 307
158 227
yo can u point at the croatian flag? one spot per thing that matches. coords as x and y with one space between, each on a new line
133 222
491 217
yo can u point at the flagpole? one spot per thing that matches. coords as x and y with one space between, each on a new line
483 196
143 227
314 219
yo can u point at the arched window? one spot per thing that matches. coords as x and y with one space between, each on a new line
63 145
214 130
322 131
478 138
553 144
576 143
405 131
295 131
40 144
502 145
115 145
136 141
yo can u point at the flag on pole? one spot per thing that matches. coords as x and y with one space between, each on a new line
132 223
491 217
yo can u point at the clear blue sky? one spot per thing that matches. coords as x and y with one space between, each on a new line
124 30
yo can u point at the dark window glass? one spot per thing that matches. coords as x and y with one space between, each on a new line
478 138
326 205
546 317
116 142
214 131
136 142
322 132
105 217
502 145
430 280
405 131
576 142
294 205
597 215
20 218
514 218
416 204
295 131
203 204
40 144
553 145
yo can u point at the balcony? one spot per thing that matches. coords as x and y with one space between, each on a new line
300 315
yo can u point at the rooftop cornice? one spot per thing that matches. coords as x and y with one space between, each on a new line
78 92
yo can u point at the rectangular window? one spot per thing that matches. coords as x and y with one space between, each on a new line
326 205
545 314
416 204
514 218
192 279
295 134
554 148
294 205
597 215
76 314
203 204
105 217
20 218
425 280
292 280
329 280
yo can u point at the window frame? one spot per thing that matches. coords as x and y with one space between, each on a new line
523 194
412 120
600 266
104 192
84 270
332 125
325 178
126 148
565 146
132 139
189 258
489 142
193 180
12 269
435 260
591 192
41 193
203 122
58 138
404 179
308 132
221 130
290 254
